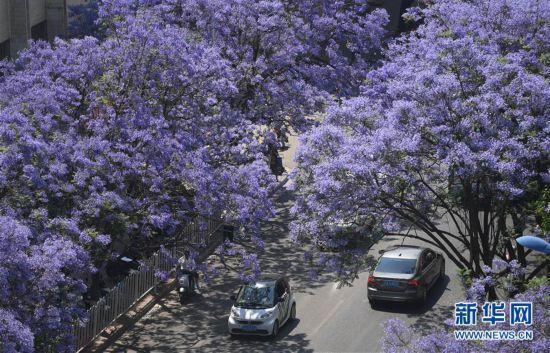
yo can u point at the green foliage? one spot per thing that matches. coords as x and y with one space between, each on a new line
466 276
537 282
545 58
542 208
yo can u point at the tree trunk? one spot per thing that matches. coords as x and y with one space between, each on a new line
519 227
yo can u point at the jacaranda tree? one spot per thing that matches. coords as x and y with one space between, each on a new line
400 338
41 285
135 130
116 145
286 55
288 58
452 128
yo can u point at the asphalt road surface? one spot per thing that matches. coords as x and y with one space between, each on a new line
328 319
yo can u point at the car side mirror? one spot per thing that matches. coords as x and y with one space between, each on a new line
380 252
233 297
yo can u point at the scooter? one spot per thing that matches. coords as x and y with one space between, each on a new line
188 283
184 288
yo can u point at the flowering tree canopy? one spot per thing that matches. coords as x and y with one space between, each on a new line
83 20
400 338
41 283
286 55
286 58
118 144
132 135
454 124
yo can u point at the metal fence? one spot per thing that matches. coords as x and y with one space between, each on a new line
140 282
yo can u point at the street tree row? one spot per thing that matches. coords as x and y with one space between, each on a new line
111 144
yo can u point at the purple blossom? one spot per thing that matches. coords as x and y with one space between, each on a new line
34 314
398 337
103 239
16 337
162 275
453 123
287 55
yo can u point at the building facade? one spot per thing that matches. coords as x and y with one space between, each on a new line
21 20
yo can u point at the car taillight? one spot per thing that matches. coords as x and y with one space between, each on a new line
371 280
414 282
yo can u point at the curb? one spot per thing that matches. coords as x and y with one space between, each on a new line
121 325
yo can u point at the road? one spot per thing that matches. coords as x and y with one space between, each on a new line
328 319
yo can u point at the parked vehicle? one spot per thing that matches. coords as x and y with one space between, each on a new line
262 307
405 273
119 268
187 283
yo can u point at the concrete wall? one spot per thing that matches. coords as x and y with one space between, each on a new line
4 20
17 17
37 11
20 28
56 15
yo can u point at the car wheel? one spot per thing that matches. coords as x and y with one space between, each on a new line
423 297
293 312
373 303
275 330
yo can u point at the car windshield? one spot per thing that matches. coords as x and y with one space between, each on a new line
256 297
394 265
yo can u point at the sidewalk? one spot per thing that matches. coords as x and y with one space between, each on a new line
288 155
138 310
119 326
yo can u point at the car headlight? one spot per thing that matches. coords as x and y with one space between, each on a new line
267 314
234 313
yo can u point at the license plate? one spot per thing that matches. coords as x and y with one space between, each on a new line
392 283
249 328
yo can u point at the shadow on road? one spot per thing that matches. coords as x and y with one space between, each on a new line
282 343
200 324
282 257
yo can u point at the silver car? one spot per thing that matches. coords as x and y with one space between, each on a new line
262 307
405 273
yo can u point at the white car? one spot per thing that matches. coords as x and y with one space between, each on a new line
262 307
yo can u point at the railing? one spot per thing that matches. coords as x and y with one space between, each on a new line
140 282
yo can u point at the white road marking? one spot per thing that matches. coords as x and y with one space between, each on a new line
329 315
